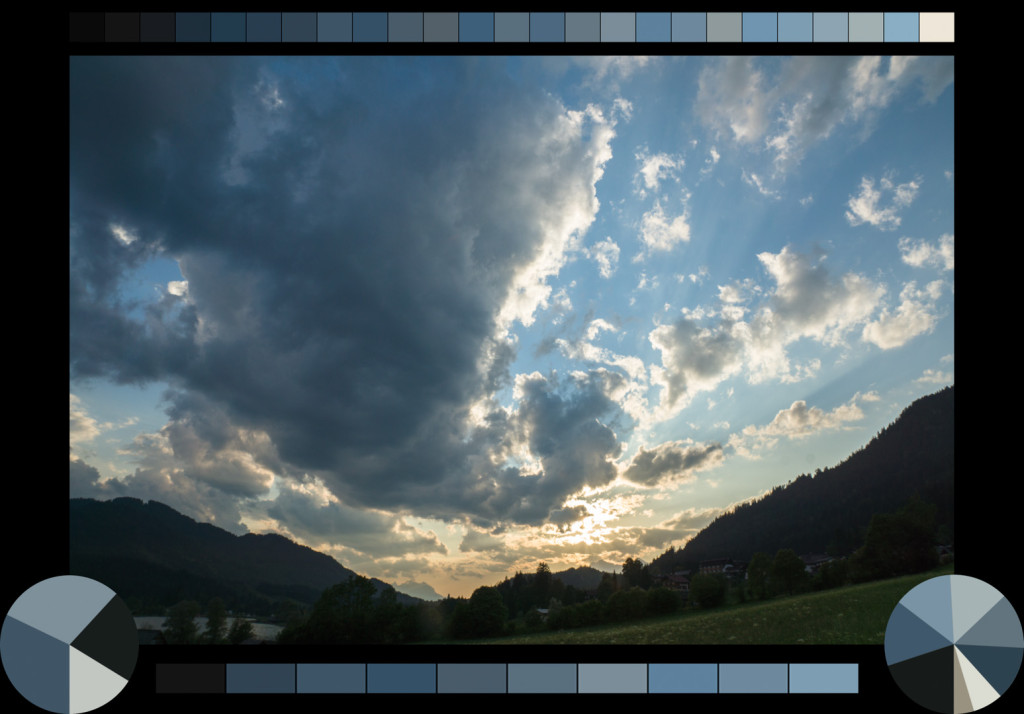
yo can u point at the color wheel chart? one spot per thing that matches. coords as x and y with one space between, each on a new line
954 623
69 644
952 644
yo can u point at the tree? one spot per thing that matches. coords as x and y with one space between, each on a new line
757 575
788 573
542 585
636 574
216 622
898 543
343 614
241 630
662 601
707 591
608 585
180 626
626 605
483 616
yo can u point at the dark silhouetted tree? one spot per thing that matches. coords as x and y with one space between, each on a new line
788 573
180 626
707 591
898 543
483 616
241 630
216 622
757 575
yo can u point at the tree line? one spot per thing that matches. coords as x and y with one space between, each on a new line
355 612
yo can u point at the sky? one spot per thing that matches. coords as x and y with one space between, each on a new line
444 318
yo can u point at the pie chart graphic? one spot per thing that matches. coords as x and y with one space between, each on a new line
954 644
69 644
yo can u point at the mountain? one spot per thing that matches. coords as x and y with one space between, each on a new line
154 556
832 509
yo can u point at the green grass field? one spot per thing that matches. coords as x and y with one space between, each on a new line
854 615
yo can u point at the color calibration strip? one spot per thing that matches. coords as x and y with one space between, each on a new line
511 678
490 27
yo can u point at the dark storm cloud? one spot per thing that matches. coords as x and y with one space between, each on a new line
84 480
565 432
375 534
150 482
671 461
349 229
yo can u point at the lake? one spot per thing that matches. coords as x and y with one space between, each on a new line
261 630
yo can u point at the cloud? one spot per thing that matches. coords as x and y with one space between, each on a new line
84 480
610 69
309 513
606 254
661 232
916 315
922 253
672 462
695 359
787 106
865 208
934 376
693 519
654 169
478 542
752 179
354 262
730 98
83 427
806 302
597 326
797 422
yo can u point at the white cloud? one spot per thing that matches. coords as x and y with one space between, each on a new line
806 303
609 70
698 277
915 316
934 376
622 107
694 359
654 169
661 232
606 254
123 235
596 326
790 105
83 427
797 422
178 288
563 228
752 179
730 97
865 207
921 253
710 162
